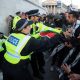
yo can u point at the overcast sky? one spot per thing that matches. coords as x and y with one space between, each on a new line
67 2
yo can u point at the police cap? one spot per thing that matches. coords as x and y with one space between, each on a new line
22 23
34 12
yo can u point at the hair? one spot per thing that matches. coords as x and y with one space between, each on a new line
75 14
29 17
16 31
17 13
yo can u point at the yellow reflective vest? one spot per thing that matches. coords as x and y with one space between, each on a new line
15 20
1 43
37 35
14 45
42 27
33 26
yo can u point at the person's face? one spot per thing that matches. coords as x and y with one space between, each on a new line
36 18
66 15
26 16
23 16
27 29
46 19
71 18
79 17
32 18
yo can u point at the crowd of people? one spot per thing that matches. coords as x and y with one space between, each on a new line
30 34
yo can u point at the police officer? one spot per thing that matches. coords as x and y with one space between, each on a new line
19 47
37 60
39 26
33 15
16 19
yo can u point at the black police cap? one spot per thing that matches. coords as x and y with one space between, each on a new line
22 23
33 12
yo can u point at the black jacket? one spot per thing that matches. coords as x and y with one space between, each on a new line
42 44
74 40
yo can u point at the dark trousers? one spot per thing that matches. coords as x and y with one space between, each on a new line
37 62
16 71
1 58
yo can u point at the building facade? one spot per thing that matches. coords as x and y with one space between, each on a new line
54 6
61 7
50 6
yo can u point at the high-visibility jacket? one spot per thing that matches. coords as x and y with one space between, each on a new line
5 37
42 27
1 43
15 20
2 40
37 35
14 45
33 26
